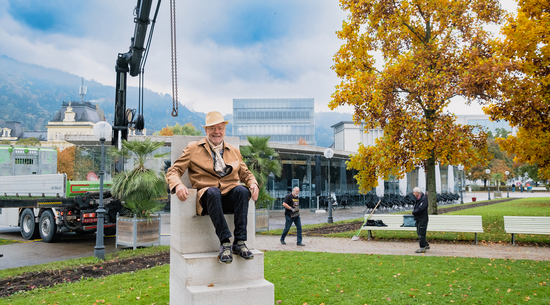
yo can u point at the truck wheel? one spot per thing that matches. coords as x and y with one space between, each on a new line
48 228
28 227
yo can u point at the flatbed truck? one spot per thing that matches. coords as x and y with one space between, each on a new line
46 206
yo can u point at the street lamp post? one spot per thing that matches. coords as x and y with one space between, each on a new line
507 192
461 181
488 171
102 130
329 153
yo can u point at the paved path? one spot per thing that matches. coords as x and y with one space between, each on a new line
346 245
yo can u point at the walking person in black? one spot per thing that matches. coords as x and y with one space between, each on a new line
292 215
420 213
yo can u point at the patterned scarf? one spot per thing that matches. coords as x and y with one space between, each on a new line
219 165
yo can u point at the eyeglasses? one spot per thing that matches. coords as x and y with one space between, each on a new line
214 128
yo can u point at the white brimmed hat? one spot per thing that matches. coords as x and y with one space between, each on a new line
213 118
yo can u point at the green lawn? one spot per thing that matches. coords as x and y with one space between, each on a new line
330 278
142 287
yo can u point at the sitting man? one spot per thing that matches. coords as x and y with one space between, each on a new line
216 170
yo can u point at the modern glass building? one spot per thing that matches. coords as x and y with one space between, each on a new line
300 169
286 120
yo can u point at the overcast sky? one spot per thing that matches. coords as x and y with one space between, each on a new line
226 49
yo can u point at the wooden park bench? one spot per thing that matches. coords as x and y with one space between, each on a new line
526 225
436 223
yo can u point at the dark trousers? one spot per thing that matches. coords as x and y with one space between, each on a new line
235 202
296 220
421 228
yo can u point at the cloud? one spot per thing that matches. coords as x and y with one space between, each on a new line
226 49
52 16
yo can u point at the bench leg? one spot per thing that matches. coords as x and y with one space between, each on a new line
513 240
369 235
476 237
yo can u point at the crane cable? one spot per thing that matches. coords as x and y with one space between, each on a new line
174 58
139 120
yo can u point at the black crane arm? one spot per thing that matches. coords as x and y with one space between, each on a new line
132 62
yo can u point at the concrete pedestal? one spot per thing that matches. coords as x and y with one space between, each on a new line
196 275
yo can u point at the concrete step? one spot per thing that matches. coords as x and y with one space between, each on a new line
204 268
257 292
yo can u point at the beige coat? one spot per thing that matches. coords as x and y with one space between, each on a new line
197 159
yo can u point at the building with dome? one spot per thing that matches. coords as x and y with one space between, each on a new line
74 118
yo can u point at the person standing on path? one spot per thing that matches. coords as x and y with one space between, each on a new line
420 213
292 215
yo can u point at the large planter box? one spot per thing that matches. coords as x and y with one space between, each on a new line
262 220
138 232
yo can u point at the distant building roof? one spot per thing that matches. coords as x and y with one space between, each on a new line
41 135
16 130
85 112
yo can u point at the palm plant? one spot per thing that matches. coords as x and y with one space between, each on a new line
139 188
261 161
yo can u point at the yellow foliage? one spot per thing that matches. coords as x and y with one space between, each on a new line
166 132
525 88
65 161
432 52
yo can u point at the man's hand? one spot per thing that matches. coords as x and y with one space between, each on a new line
182 192
254 191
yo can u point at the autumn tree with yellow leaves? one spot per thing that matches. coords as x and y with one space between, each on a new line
525 88
431 51
65 161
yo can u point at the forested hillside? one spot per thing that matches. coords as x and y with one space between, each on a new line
32 95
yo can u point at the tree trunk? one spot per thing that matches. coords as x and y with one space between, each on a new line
431 189
431 183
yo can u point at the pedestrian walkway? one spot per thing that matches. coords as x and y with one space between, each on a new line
346 245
